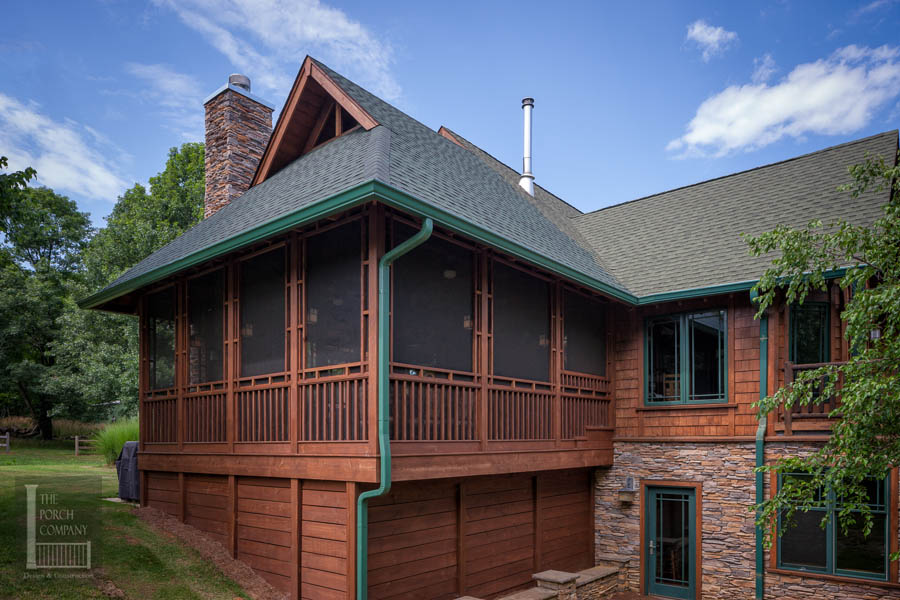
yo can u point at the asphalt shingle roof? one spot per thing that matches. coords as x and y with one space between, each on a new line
691 237
681 239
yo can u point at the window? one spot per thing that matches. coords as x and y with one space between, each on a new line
521 324
809 333
805 545
432 313
333 303
205 326
585 334
161 339
262 303
685 357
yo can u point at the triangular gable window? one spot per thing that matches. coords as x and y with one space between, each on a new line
316 111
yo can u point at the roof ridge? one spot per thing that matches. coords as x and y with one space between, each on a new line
896 132
500 162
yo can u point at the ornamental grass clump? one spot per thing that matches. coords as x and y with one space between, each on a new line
113 436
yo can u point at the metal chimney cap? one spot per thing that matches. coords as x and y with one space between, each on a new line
527 102
241 81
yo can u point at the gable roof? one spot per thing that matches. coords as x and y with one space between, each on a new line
690 237
407 165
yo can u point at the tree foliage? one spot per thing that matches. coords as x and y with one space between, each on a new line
866 438
45 233
106 377
10 183
56 359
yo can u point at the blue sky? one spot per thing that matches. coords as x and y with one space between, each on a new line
631 99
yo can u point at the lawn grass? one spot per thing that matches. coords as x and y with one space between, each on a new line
132 557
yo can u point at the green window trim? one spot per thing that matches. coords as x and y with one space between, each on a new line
825 341
685 359
879 508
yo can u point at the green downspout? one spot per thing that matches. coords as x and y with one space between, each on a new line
761 443
384 438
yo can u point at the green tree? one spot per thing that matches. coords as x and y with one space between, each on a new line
106 376
866 439
142 222
44 235
10 184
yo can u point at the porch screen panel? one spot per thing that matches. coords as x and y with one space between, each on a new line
333 284
433 296
205 325
521 324
161 339
585 334
262 314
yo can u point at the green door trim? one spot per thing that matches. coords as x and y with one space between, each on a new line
691 494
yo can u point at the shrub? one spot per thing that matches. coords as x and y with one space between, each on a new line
113 436
68 429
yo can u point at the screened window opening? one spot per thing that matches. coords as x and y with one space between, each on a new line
805 545
333 303
521 324
585 334
686 358
433 298
262 305
161 339
809 333
205 325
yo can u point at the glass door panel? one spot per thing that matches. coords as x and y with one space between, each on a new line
670 537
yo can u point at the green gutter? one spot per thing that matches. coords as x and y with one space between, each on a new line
761 443
384 438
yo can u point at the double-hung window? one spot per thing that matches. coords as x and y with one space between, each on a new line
685 358
804 545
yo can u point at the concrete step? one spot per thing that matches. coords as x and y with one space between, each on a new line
532 594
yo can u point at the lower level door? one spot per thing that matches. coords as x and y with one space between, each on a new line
670 538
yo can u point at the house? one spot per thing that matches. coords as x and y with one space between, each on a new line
386 365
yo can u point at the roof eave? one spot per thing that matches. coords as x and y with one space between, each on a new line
340 202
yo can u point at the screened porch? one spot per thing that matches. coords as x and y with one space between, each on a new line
271 351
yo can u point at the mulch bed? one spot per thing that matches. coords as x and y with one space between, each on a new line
255 586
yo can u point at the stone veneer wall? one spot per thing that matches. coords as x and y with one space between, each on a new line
725 471
798 586
237 131
726 474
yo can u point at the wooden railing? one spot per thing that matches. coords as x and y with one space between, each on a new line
334 405
334 409
432 406
262 414
815 415
160 418
205 416
520 413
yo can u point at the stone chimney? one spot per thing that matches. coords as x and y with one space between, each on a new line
238 126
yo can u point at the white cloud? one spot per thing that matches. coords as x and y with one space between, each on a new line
712 40
178 96
763 68
831 96
267 39
59 151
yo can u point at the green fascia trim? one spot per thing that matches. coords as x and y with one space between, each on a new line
399 199
343 201
725 288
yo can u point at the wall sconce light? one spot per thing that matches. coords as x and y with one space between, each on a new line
875 334
627 493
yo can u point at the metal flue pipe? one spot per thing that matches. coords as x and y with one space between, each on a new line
526 182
